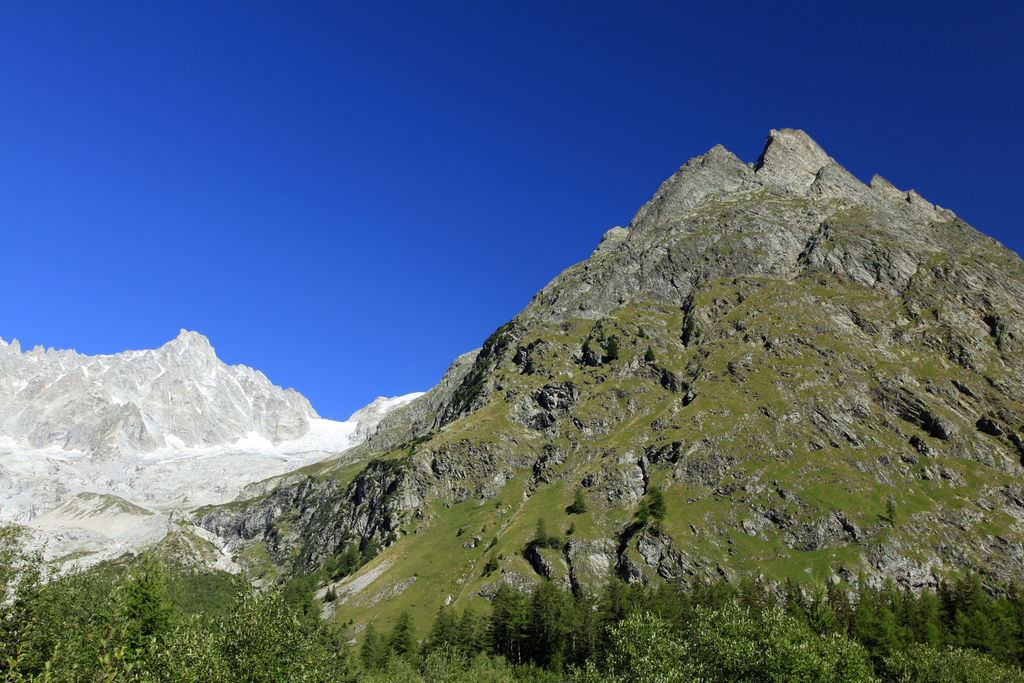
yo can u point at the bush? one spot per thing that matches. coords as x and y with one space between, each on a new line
923 664
732 644
642 648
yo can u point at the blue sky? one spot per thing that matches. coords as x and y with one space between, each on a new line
347 196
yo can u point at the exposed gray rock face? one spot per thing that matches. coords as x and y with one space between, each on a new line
551 565
718 217
591 562
135 401
791 160
715 174
369 418
423 414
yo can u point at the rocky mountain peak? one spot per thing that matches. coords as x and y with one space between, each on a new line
794 209
716 172
791 160
136 401
191 342
824 378
14 347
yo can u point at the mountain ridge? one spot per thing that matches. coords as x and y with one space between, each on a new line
822 376
106 454
138 400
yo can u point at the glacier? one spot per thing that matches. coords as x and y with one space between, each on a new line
100 455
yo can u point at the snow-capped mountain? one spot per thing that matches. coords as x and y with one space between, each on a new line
136 401
97 453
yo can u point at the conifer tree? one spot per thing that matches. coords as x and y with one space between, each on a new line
371 653
547 625
612 350
579 503
890 510
657 504
470 634
443 632
540 534
652 507
508 624
820 616
145 602
401 640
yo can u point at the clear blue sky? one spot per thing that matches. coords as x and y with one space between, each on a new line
347 197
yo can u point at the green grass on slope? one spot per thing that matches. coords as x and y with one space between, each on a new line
784 419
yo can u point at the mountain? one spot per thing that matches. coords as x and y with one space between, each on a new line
822 378
100 455
136 401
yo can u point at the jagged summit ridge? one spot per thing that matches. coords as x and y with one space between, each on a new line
716 216
791 163
179 394
190 342
791 159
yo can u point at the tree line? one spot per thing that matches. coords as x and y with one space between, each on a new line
154 621
750 631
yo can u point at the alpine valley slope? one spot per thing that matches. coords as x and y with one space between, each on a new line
100 454
824 377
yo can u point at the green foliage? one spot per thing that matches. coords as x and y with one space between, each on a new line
542 539
890 511
649 355
21 578
263 639
110 625
401 641
611 350
344 563
579 503
508 624
656 504
373 651
733 644
298 592
644 648
491 565
103 624
689 331
540 534
923 664
196 591
145 603
652 507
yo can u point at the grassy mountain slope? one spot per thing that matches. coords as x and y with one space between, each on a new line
824 378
